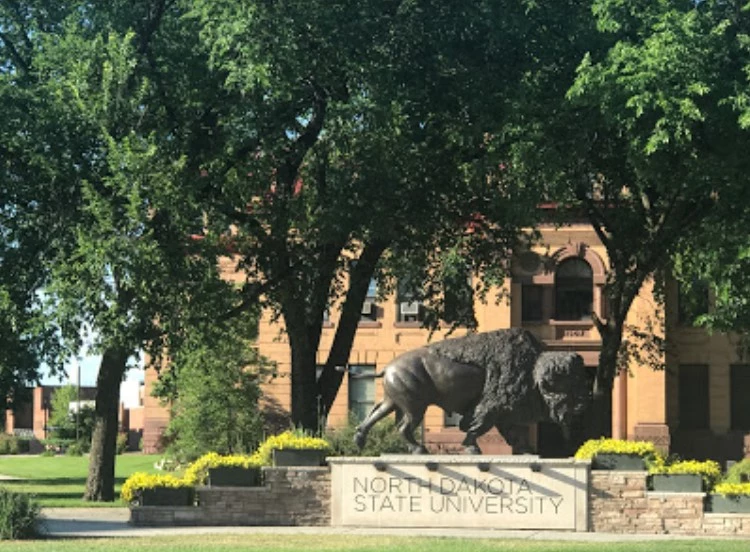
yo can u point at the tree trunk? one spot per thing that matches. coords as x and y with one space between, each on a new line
100 485
304 387
332 376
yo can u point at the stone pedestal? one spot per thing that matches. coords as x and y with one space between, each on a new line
502 492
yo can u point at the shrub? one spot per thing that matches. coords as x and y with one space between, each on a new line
5 443
57 445
23 445
197 472
213 389
140 481
122 443
66 424
74 449
292 439
10 444
19 515
383 438
644 449
709 470
738 473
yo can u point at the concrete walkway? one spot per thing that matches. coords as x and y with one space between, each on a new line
113 522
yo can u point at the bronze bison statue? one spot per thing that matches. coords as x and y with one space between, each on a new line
501 379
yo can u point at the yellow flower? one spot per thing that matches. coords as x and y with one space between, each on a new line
288 440
141 480
593 447
732 489
709 470
197 472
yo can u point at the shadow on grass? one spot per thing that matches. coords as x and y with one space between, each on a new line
55 488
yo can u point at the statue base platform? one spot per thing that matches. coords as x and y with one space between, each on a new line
502 492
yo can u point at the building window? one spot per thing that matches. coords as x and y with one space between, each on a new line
574 290
692 304
739 392
408 308
693 396
361 390
369 307
532 298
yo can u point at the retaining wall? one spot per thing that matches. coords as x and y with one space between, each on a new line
290 496
619 502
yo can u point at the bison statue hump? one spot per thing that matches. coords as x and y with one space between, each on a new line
502 378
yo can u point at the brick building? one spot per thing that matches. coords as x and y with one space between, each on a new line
694 405
31 419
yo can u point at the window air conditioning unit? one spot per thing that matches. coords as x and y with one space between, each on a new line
367 307
410 308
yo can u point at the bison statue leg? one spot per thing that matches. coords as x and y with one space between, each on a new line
474 428
379 411
517 436
406 426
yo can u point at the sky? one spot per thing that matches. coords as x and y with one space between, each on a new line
89 366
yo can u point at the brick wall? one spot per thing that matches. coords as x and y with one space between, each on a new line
290 496
620 503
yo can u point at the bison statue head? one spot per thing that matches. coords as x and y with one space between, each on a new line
564 386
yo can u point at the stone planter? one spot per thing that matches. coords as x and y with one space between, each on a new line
677 483
234 476
298 457
730 504
623 462
167 496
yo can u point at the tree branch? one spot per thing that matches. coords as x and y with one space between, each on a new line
14 53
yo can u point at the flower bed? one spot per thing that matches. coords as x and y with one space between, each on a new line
198 472
616 454
233 476
684 476
731 498
292 440
157 490
298 457
677 483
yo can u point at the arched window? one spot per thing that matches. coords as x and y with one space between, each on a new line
574 290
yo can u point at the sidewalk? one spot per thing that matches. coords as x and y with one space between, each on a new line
113 522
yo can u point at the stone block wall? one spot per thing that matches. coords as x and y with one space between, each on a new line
620 503
290 496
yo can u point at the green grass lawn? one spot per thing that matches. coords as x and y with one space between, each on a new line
319 543
59 481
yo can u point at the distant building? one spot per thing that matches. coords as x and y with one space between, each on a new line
31 419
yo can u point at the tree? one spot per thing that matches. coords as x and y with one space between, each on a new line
363 145
105 157
718 259
212 389
649 137
26 338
